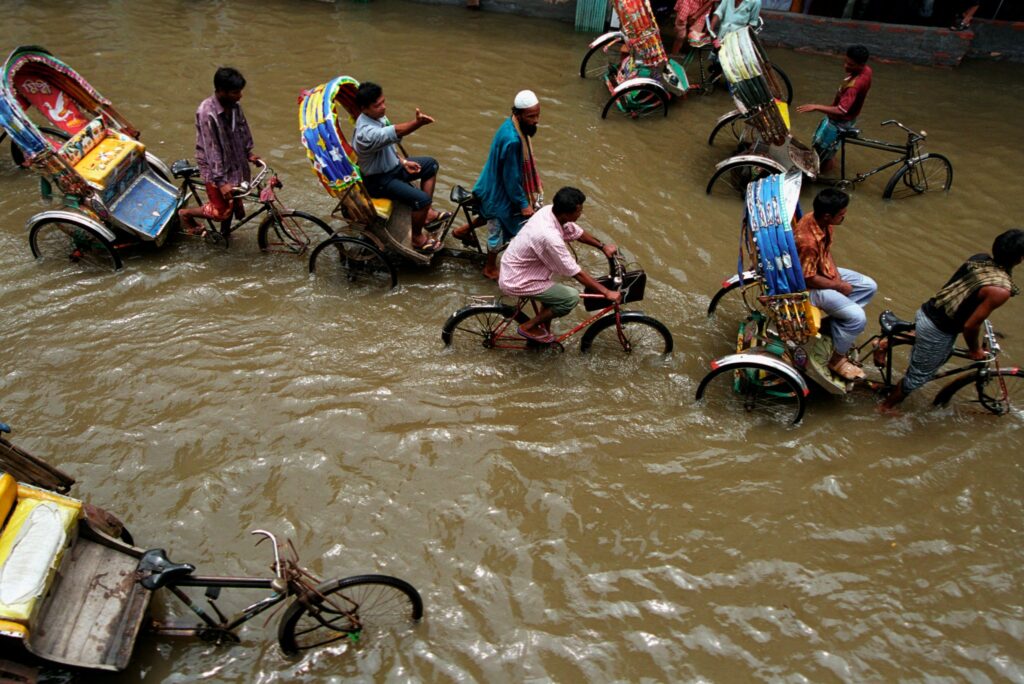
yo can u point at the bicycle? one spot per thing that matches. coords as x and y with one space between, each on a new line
319 614
919 172
491 323
280 230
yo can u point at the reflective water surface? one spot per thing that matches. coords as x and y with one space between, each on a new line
564 517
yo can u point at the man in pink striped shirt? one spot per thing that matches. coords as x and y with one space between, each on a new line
539 252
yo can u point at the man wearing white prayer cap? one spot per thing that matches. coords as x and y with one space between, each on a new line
509 187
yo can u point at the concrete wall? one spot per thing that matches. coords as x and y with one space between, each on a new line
998 40
896 42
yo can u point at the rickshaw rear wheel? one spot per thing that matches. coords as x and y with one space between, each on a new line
735 125
755 390
601 67
638 101
931 173
735 177
355 260
345 609
642 335
70 240
290 231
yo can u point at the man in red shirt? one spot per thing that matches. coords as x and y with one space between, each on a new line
842 114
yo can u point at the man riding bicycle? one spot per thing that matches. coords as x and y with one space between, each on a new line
539 251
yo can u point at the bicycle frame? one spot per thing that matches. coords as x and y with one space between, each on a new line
228 226
910 152
226 626
516 342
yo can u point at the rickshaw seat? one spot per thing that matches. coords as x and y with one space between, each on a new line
32 544
383 206
101 156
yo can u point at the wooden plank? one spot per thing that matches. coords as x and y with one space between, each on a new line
93 615
24 467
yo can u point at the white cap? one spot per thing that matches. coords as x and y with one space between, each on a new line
525 99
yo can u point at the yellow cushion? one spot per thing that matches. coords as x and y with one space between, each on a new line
8 494
383 207
813 318
31 547
13 629
98 165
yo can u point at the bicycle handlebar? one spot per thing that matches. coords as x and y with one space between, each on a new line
271 537
247 187
920 136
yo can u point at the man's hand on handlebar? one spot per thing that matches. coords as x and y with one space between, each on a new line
613 296
609 249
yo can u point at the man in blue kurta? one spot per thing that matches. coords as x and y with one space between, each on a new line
509 187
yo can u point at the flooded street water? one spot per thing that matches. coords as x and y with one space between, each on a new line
564 517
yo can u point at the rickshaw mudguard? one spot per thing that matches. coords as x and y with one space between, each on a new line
74 217
753 159
640 81
768 361
606 38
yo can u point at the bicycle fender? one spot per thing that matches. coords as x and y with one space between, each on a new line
752 158
606 38
73 216
738 279
727 116
633 82
771 362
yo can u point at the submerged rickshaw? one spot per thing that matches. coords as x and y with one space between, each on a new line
783 344
640 77
75 590
377 232
759 126
114 192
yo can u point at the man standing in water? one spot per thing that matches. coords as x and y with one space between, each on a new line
842 115
223 150
509 187
979 287
388 175
539 252
840 293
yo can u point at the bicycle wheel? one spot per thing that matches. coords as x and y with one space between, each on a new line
750 281
66 239
477 326
734 177
930 173
732 127
638 101
754 388
999 392
641 335
345 609
354 260
290 231
785 85
607 58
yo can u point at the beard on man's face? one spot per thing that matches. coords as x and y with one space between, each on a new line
529 129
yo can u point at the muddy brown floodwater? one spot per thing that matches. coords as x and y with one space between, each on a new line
564 517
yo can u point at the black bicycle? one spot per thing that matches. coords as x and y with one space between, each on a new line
320 612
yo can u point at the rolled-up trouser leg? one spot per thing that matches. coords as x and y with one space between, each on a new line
561 299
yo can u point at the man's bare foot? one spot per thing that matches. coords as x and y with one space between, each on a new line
491 273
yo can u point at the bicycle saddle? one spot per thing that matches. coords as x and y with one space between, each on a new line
892 324
461 195
159 571
850 133
183 169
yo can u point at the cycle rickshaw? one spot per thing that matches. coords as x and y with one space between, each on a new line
760 122
783 341
75 589
115 193
644 80
376 231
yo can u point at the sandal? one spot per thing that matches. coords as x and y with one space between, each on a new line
429 247
438 220
468 239
544 338
847 370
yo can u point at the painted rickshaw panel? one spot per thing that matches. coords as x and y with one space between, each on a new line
102 166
